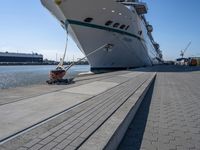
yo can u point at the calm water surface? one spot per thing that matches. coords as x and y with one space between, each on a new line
13 76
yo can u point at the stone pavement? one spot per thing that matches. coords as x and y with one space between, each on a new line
21 93
167 119
95 101
27 106
73 132
169 116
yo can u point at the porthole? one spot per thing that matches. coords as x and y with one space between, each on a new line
88 19
127 27
62 22
116 25
108 23
140 32
122 26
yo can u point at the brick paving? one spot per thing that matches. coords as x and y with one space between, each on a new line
170 120
74 131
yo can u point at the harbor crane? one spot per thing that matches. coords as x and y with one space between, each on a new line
184 50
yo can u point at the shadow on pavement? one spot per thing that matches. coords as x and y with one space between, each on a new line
134 135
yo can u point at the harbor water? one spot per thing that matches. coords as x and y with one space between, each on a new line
14 76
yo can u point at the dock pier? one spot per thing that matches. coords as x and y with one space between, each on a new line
152 108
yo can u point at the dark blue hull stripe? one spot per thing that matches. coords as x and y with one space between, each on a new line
75 22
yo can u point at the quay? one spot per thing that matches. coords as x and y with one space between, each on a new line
152 108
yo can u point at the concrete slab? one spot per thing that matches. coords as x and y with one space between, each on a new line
15 94
20 93
117 79
131 74
93 88
22 114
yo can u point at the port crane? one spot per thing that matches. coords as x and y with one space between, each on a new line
184 50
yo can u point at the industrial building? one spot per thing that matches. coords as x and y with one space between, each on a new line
6 57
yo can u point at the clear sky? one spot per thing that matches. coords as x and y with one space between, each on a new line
26 26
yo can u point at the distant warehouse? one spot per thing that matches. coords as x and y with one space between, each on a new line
20 58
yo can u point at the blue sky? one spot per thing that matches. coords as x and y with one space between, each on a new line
26 26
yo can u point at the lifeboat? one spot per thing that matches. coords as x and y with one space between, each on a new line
149 28
140 7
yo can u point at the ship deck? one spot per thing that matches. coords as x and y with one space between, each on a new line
146 108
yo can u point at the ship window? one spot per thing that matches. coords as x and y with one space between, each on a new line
62 22
108 23
63 26
140 32
122 26
88 19
127 27
116 25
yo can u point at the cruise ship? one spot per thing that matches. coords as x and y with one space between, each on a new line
121 24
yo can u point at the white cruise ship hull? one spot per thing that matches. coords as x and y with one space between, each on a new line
131 46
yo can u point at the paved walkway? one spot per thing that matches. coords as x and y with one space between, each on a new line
71 133
170 120
91 102
27 106
21 93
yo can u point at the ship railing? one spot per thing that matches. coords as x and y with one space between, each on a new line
140 7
